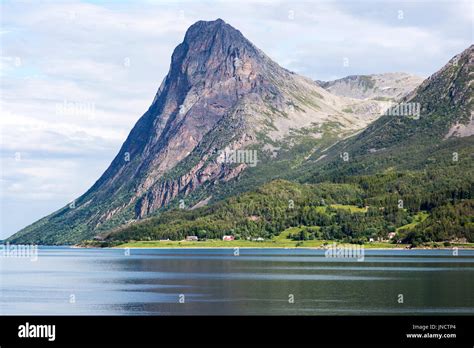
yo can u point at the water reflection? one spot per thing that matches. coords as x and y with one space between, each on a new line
259 281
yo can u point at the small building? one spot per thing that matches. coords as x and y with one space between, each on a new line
371 240
228 238
192 238
391 235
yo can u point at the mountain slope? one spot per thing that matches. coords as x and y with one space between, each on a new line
221 95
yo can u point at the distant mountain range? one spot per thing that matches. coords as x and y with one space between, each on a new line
389 86
227 120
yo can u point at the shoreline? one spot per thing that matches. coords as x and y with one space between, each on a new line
123 247
283 248
310 245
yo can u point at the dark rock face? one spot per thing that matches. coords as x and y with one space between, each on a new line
199 89
210 71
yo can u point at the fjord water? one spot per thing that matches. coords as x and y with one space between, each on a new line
258 281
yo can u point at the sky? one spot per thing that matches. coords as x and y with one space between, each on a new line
75 76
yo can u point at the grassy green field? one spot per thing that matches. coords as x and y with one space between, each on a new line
350 208
274 243
420 217
216 243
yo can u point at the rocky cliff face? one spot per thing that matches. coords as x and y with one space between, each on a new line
220 94
210 73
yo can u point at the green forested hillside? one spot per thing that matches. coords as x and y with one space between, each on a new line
361 208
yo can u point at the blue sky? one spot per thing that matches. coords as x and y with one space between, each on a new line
76 75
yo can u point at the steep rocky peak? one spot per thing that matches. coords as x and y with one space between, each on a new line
212 50
218 29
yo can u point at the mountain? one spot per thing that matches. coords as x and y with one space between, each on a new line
441 117
225 119
389 86
407 174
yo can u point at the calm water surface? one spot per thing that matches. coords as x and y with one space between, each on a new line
214 281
